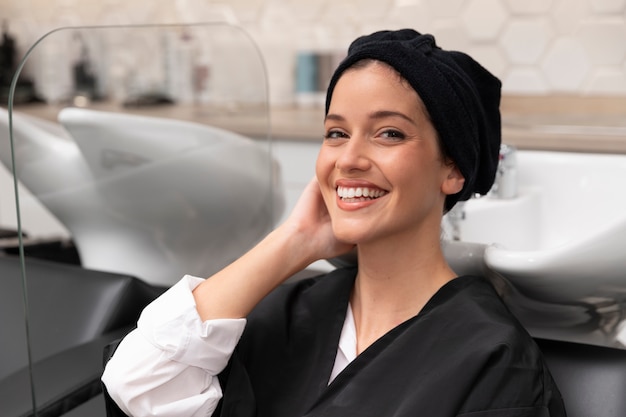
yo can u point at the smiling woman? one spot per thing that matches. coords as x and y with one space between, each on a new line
410 130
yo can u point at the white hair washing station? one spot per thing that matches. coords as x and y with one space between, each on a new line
152 197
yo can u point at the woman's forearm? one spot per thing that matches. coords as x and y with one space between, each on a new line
234 291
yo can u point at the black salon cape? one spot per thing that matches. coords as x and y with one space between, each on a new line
462 355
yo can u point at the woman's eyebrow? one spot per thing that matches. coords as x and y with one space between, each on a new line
335 117
380 114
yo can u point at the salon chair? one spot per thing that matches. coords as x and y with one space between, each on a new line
592 379
73 314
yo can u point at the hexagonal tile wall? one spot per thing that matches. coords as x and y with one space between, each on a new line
529 6
484 19
525 40
566 65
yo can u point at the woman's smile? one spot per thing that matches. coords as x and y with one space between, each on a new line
354 195
359 193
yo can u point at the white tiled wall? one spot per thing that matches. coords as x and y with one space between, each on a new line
534 46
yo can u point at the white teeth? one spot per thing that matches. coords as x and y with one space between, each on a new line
348 192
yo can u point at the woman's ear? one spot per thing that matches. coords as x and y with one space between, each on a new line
454 181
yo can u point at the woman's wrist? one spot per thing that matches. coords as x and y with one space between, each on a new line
292 248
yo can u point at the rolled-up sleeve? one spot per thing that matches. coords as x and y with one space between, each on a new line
168 366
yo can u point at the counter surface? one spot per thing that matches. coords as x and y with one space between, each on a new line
563 123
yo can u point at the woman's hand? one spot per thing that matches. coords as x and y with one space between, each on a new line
311 226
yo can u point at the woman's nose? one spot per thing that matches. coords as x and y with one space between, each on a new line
354 155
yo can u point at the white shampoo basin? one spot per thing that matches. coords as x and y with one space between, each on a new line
560 243
152 197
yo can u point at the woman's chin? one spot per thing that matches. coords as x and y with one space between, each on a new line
349 235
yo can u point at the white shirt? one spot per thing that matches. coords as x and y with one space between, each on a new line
168 366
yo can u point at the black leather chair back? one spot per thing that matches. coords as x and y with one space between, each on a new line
592 379
73 314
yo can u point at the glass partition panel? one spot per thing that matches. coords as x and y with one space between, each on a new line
141 154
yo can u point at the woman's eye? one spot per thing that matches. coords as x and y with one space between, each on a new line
393 134
335 134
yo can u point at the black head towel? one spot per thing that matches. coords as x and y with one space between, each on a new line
462 98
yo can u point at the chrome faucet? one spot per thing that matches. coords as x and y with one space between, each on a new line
505 184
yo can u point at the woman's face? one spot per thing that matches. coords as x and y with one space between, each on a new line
380 168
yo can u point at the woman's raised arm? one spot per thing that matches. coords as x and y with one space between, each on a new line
306 236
